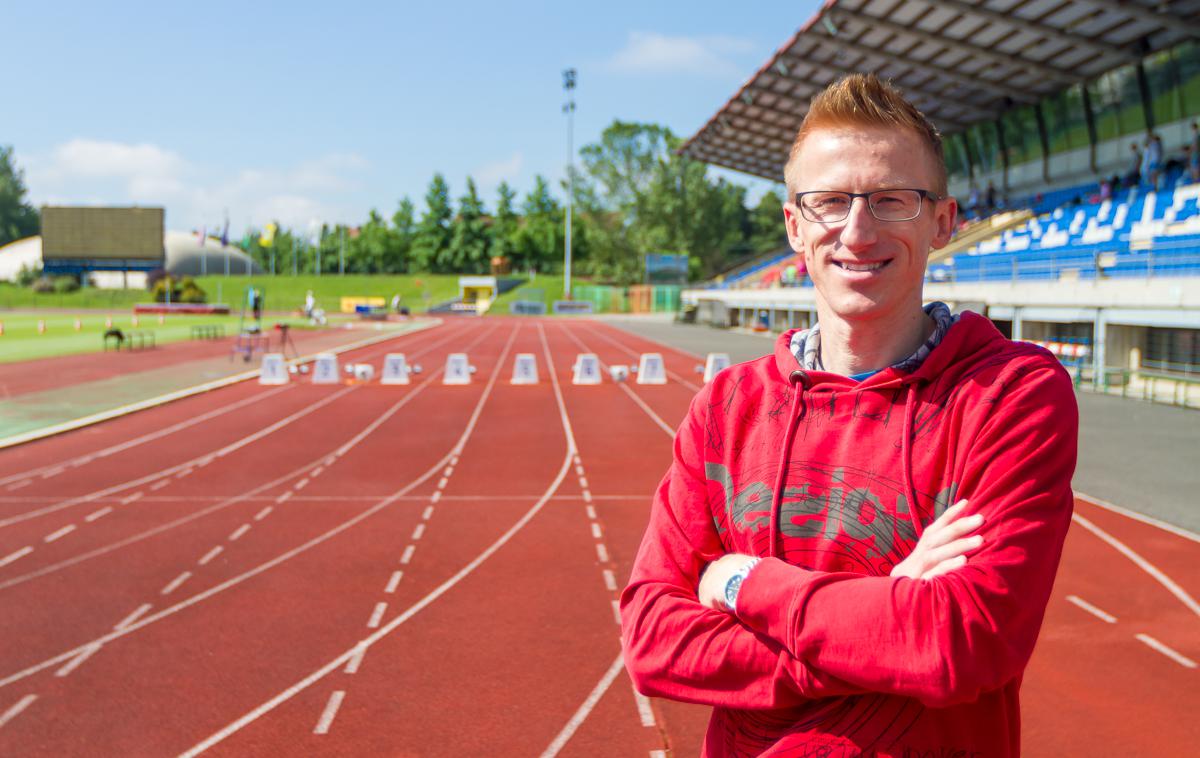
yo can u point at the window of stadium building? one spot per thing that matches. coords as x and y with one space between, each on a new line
1172 350
1021 137
1117 104
1066 120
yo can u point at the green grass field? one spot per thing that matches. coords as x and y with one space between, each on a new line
286 293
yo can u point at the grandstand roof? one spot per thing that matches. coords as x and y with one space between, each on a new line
959 61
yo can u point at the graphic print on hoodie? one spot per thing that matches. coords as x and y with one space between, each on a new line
833 481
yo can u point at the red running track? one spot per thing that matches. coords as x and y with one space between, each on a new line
432 570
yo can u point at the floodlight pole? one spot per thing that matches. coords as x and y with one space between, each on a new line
569 109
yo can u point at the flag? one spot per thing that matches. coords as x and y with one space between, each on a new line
203 234
225 234
268 236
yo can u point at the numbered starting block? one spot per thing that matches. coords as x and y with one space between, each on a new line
587 369
458 369
525 369
325 369
714 364
651 369
274 369
395 369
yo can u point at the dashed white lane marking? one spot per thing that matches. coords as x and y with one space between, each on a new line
316 472
284 497
587 496
418 531
658 754
643 706
428 512
263 513
591 512
98 514
616 606
174 583
331 709
53 472
15 711
184 473
59 534
376 615
19 485
77 661
583 482
1085 605
408 553
301 484
137 614
436 496
239 532
581 715
610 581
578 461
356 660
578 469
602 551
131 498
1141 563
442 483
449 472
1174 655
16 555
159 484
596 530
454 460
395 580
210 555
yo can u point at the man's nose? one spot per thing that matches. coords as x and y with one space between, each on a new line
859 228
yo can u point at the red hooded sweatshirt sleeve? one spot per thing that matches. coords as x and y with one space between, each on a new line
832 482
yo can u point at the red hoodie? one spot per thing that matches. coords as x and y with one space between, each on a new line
833 481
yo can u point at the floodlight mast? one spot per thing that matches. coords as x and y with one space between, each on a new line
569 109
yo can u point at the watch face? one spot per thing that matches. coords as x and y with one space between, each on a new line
731 588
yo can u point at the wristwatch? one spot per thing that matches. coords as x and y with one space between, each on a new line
734 584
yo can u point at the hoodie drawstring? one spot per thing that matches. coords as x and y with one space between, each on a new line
801 381
910 404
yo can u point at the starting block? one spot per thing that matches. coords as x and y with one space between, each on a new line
525 369
587 369
395 369
458 369
325 369
714 364
274 370
651 369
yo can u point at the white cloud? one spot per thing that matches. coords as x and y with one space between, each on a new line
653 53
488 177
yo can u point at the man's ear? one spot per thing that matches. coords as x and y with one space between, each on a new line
944 217
791 220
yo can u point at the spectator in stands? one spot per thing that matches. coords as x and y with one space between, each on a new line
1115 182
973 202
1134 176
1106 190
1152 160
1194 154
990 197
791 574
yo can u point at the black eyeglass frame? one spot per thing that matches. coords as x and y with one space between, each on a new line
925 195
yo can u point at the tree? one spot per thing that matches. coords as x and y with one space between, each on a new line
433 233
540 237
471 241
404 231
767 233
505 223
18 219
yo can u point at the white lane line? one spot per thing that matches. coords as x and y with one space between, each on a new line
59 534
395 580
53 472
418 531
408 553
15 711
585 710
633 395
19 485
316 472
15 556
591 513
284 497
616 608
331 709
583 483
355 660
578 461
210 555
239 532
1176 530
610 580
141 609
1179 658
301 484
263 513
98 514
376 615
77 661
442 483
1085 605
428 512
602 551
596 530
174 583
645 713
436 496
454 461
131 498
587 496
159 485
1141 562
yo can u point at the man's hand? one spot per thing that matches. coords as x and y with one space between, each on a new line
712 583
944 546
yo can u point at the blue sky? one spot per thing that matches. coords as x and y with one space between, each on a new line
311 112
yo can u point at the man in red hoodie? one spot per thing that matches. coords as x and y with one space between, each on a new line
852 551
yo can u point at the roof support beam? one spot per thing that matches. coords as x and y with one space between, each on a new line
774 174
765 156
1003 59
798 115
1142 13
1009 19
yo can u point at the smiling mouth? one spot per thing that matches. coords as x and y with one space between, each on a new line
861 266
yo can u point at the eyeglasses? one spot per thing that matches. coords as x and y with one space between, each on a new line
824 207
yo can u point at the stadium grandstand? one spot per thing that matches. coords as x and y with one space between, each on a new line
1072 147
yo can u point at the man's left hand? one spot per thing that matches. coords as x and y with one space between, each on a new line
712 584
